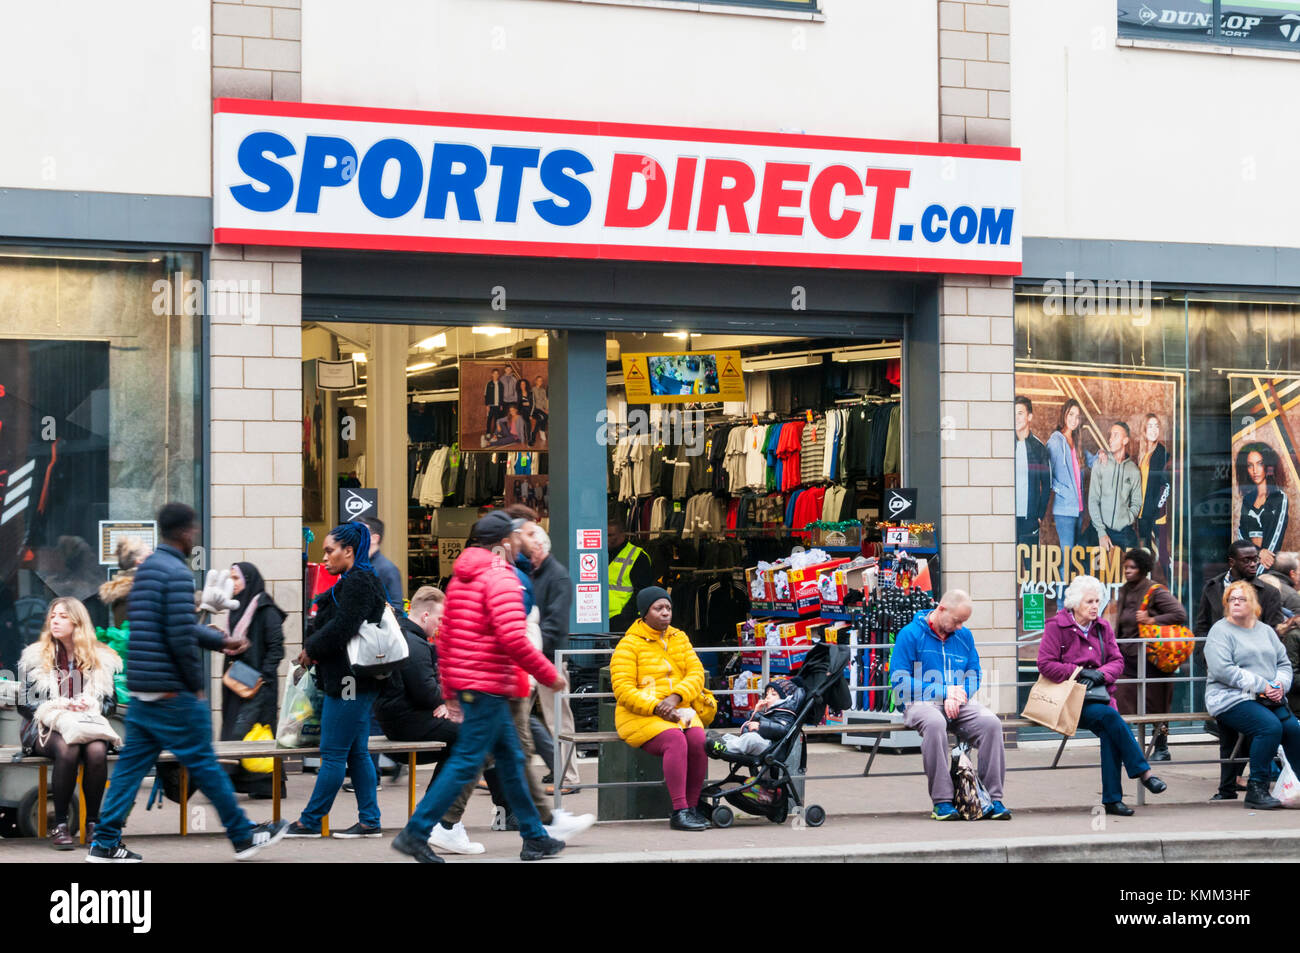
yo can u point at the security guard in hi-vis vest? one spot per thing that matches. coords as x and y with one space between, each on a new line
629 573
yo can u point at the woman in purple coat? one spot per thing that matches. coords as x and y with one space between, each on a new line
1074 637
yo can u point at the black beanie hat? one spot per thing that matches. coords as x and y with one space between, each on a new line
492 528
648 597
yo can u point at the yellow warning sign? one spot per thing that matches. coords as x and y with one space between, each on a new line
682 377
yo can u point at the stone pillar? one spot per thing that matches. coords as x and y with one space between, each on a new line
977 359
256 348
386 438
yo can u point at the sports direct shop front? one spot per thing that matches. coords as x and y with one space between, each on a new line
745 296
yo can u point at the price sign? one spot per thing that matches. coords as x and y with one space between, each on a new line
896 537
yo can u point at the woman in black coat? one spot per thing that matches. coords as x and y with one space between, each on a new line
260 620
357 597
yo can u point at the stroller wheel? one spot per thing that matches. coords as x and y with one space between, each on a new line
814 815
723 816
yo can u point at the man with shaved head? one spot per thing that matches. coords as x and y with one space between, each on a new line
935 673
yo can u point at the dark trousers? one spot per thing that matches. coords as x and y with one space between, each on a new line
1118 746
1267 725
183 726
488 728
1125 538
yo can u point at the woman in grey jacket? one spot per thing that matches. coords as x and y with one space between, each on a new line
1249 676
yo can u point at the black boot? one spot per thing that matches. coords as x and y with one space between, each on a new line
1257 796
688 820
1161 750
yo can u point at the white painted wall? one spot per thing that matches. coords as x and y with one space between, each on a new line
1150 145
869 70
108 97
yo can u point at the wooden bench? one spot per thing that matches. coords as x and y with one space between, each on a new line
881 729
226 751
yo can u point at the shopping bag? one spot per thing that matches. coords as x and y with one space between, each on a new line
258 765
1056 705
1287 787
966 788
1168 646
300 712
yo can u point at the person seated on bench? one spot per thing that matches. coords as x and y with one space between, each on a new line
1249 675
66 670
655 676
1076 636
772 718
935 671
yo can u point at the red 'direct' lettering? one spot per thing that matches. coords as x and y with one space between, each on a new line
714 196
618 214
776 198
679 215
886 182
819 201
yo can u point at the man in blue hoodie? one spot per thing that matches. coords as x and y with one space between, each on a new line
935 673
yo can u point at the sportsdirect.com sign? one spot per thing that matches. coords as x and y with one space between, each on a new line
347 177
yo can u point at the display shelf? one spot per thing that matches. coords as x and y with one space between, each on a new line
840 549
919 550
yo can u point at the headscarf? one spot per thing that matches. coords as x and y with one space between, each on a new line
355 534
254 586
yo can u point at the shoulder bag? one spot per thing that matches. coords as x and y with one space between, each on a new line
1168 646
378 647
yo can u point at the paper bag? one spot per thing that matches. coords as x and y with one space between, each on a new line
1056 705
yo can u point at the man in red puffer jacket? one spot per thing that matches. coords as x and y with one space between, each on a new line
484 659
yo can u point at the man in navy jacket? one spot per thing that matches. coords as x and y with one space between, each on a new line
165 675
935 673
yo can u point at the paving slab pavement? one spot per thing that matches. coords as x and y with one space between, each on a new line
1057 817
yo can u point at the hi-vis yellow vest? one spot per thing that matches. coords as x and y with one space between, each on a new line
620 577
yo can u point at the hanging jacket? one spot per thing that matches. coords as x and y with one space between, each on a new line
647 667
483 641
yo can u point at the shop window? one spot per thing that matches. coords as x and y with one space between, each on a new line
1200 391
99 418
1262 23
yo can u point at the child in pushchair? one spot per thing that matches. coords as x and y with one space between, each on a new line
771 755
772 718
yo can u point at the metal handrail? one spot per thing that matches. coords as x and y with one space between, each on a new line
562 697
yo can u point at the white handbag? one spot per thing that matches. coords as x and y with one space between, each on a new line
378 647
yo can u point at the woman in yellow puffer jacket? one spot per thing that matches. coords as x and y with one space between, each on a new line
656 677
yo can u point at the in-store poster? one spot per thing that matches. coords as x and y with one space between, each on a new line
504 404
1096 474
1265 439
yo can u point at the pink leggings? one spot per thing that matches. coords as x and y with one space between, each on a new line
686 764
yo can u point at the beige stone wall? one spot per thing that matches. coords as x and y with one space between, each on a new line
256 357
977 359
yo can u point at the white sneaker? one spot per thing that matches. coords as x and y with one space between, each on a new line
454 841
565 824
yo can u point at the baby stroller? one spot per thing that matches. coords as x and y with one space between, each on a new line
774 771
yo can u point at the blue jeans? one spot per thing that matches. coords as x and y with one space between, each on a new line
344 748
488 728
183 726
1067 528
1267 726
1117 745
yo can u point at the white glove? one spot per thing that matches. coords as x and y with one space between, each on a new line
218 593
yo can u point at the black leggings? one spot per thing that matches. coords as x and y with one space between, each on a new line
94 755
